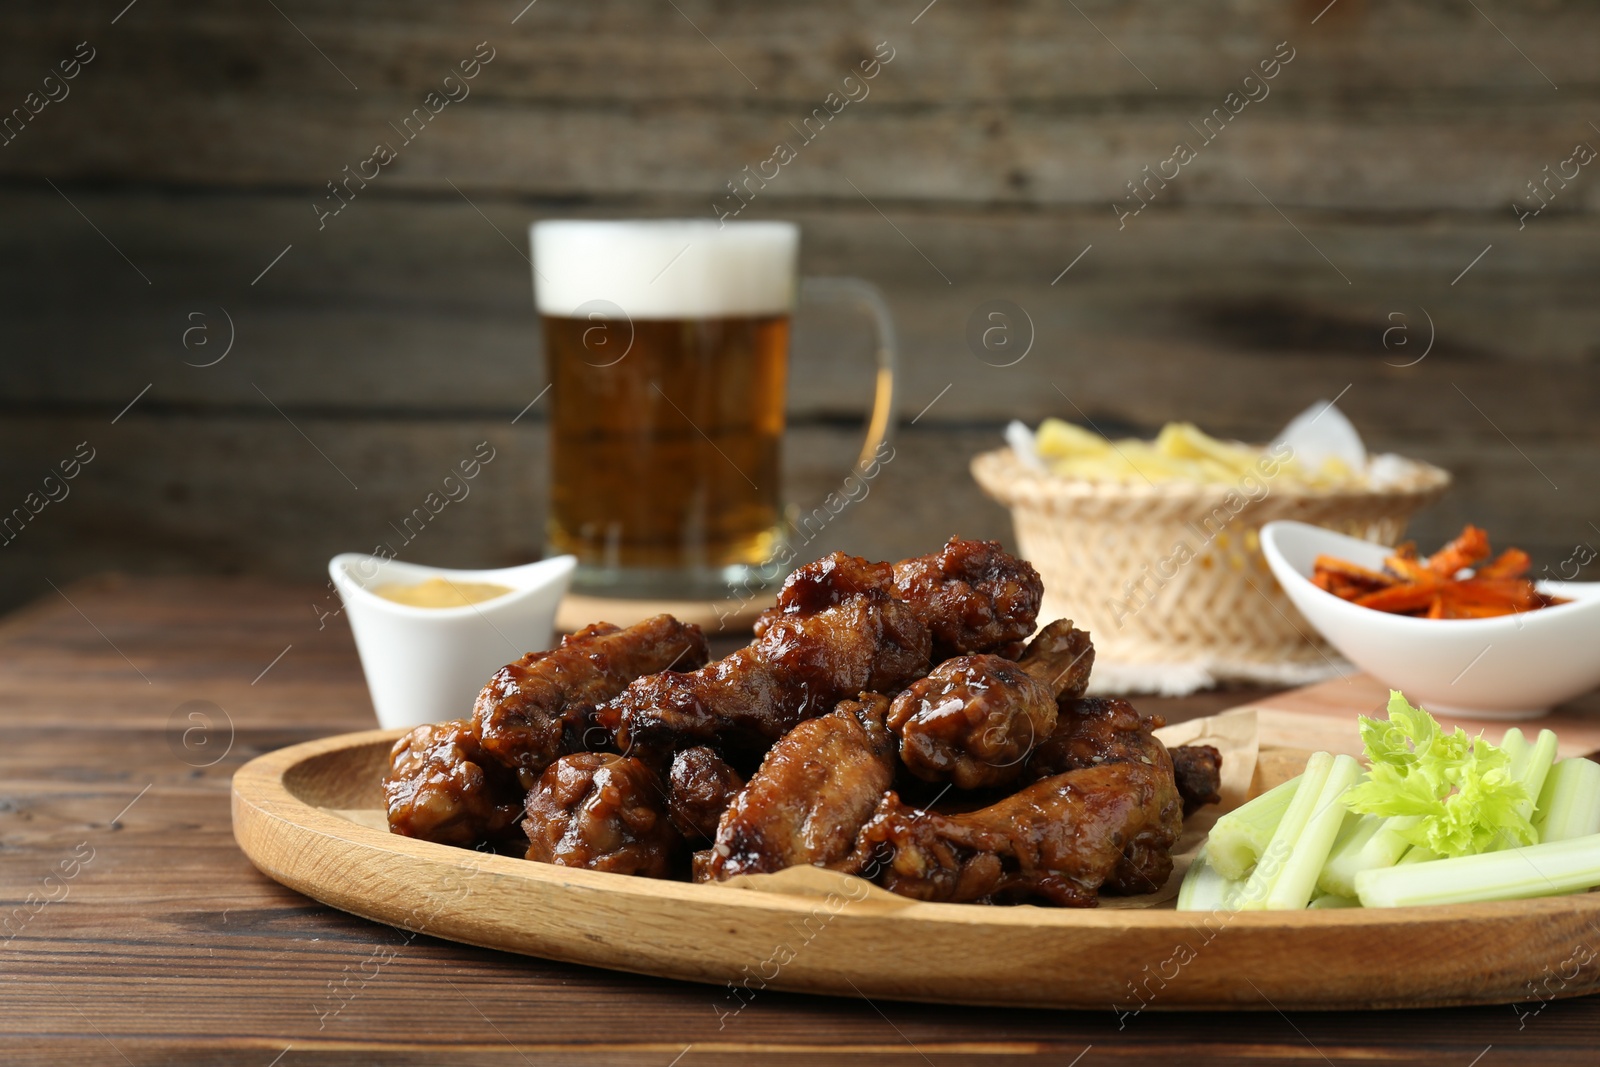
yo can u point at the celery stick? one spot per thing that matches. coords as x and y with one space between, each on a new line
1547 869
1530 766
1569 805
1295 884
1378 842
1417 854
1535 768
1515 746
1354 825
1239 838
1204 889
1280 848
1353 837
1333 900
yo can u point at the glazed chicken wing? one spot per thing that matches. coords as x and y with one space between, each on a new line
974 719
1061 656
1057 841
814 790
700 787
1198 771
800 667
974 596
821 584
1103 731
539 707
602 812
1097 730
440 787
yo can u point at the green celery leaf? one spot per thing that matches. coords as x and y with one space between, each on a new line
1460 785
1389 791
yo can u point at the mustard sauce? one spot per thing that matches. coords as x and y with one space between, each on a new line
439 593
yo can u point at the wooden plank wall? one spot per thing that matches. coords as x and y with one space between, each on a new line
142 211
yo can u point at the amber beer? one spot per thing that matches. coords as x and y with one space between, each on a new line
666 347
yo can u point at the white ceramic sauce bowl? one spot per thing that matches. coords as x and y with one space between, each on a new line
428 664
1510 667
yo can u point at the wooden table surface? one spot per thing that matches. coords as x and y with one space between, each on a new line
136 932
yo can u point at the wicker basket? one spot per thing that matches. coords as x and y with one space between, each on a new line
1111 561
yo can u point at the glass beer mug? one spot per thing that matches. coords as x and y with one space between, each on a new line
667 349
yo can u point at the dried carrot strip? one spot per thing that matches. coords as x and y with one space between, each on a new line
1515 593
1352 572
1428 588
1347 590
1411 570
1413 596
1470 547
1512 563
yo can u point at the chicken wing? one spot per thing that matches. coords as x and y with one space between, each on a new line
822 583
1198 772
700 787
440 787
1097 730
1061 656
539 707
602 812
974 719
974 596
799 668
1106 731
814 790
1057 841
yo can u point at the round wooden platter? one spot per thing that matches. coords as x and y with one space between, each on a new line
310 817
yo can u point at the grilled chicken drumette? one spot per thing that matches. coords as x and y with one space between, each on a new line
814 790
975 719
539 707
602 812
1057 841
441 787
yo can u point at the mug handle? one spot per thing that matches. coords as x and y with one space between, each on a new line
880 422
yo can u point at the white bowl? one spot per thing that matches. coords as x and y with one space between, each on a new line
427 664
1511 667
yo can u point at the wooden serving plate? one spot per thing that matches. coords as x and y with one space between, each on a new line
310 817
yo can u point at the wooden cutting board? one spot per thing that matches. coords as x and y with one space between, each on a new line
1323 716
310 816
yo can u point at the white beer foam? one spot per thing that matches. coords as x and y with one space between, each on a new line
665 268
